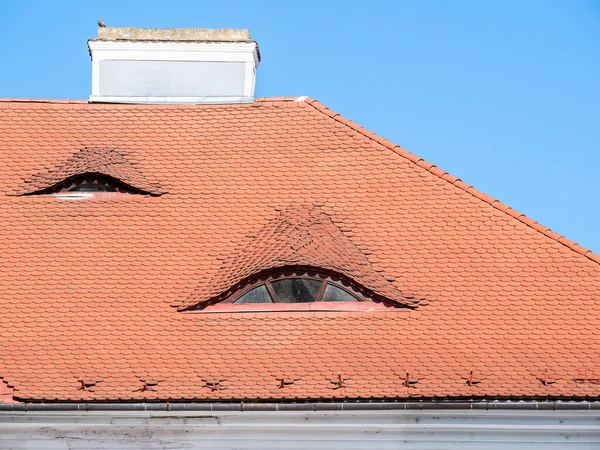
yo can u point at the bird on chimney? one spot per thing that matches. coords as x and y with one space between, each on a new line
101 24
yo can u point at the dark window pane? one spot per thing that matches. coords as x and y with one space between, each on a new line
335 294
91 187
296 290
257 295
91 183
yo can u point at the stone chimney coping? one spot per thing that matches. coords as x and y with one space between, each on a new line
174 34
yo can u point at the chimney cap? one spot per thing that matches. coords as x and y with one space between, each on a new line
174 34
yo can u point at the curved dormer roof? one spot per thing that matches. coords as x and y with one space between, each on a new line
99 161
304 236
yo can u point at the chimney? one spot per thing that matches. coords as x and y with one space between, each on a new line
177 65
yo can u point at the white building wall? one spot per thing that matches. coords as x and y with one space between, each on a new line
431 429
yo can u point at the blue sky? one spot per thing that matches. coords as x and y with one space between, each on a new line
503 94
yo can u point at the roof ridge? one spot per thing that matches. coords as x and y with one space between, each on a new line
455 181
280 98
41 100
295 98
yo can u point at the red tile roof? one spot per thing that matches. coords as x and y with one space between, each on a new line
510 309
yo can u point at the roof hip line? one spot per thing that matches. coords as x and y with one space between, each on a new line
456 182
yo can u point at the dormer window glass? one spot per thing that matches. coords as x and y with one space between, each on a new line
307 287
335 294
296 290
257 295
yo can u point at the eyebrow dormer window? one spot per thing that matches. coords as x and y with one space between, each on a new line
89 184
93 183
297 289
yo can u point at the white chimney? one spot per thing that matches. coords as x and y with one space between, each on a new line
178 65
